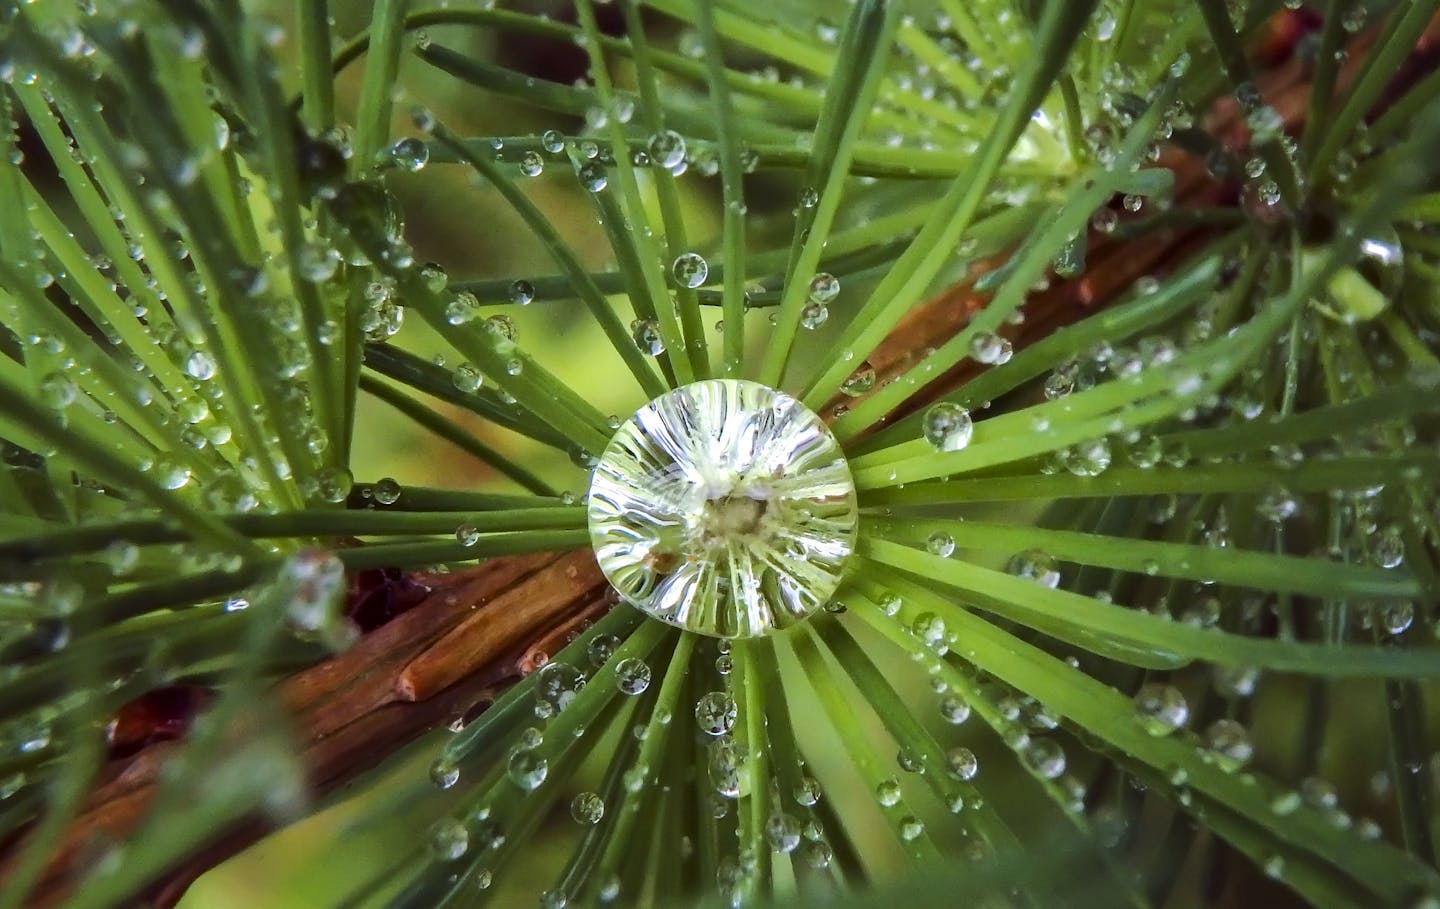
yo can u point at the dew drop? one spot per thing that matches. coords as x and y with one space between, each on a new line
948 426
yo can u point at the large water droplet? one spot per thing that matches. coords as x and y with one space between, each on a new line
725 508
948 427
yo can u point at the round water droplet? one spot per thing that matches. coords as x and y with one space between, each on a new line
646 333
699 489
783 832
1045 758
715 713
1229 744
444 773
990 348
552 141
1162 708
587 808
813 315
1035 565
961 763
449 840
690 269
592 176
527 769
667 149
948 427
824 287
887 792
522 292
941 544
200 365
860 381
632 676
531 164
409 154
386 491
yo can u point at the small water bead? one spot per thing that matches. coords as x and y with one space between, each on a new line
333 484
745 472
632 676
667 149
601 648
587 808
887 792
57 391
860 381
531 164
1229 745
552 141
911 828
466 378
444 773
1396 616
1045 758
646 334
990 348
809 198
783 832
1035 565
807 792
592 176
941 544
1088 459
556 684
961 763
1387 547
522 292
715 713
930 629
1162 708
501 325
449 840
386 491
467 535
954 709
813 315
200 366
527 769
554 899
948 426
409 154
462 308
690 269
824 287
514 367
890 604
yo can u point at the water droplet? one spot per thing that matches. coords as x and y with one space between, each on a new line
587 808
646 333
990 348
531 164
948 426
715 713
783 832
527 769
1162 708
887 792
409 154
521 292
690 269
813 315
592 176
1035 565
960 762
449 840
667 149
386 491
1229 745
744 470
941 544
444 773
632 676
860 381
824 287
200 365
